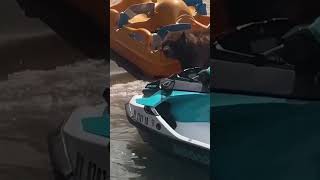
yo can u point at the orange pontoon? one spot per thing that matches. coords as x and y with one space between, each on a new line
137 28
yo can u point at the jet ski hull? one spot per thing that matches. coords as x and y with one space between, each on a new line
169 145
158 133
78 149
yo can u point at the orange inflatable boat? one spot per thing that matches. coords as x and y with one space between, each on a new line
137 28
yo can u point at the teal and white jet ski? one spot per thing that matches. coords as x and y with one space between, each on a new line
173 114
265 104
80 148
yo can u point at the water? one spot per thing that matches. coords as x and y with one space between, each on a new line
32 104
131 158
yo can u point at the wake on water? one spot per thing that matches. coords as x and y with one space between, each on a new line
33 103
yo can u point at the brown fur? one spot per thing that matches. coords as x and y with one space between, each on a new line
192 49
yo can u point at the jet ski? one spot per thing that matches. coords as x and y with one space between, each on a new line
264 107
172 114
80 147
137 29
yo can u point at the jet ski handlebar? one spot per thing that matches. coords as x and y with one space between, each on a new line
258 43
270 56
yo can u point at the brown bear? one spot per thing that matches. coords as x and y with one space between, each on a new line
192 49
